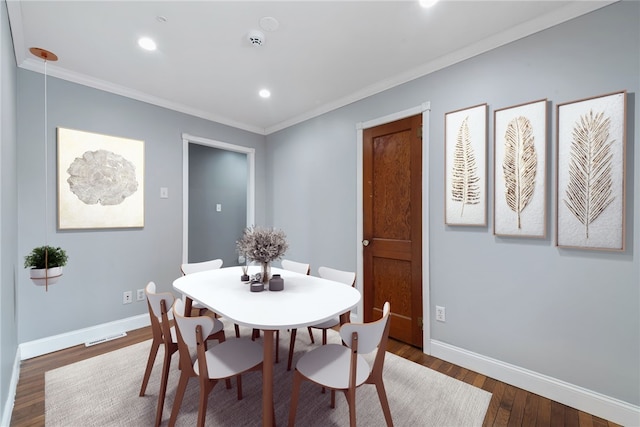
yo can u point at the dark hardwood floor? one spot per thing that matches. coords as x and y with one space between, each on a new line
510 406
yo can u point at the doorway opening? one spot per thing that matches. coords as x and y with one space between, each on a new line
202 203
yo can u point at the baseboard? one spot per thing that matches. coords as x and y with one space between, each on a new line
69 339
568 394
7 409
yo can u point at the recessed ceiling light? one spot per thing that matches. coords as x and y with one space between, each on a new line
427 3
146 43
264 93
269 23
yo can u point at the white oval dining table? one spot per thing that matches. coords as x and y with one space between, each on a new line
305 301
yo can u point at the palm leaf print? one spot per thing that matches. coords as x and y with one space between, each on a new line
464 182
519 164
589 190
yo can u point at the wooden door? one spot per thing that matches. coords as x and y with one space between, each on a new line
392 222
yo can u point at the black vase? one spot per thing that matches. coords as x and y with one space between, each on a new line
276 283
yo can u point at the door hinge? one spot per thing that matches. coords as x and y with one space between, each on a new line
420 322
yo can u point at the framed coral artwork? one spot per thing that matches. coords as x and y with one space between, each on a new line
465 197
100 181
520 151
590 194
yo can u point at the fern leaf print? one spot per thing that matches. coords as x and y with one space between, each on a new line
464 181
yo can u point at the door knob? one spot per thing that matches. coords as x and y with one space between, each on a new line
365 243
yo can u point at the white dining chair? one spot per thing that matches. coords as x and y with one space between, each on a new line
159 305
229 359
298 267
196 267
346 277
344 367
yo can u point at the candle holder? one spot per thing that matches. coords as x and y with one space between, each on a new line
276 283
257 286
245 275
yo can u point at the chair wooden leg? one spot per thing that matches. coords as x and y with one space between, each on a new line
202 406
239 385
206 385
295 391
333 398
166 364
155 345
237 330
384 402
182 387
324 342
277 346
311 334
352 415
292 343
351 400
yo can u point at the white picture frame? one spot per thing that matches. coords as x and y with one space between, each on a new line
590 171
520 169
100 181
465 199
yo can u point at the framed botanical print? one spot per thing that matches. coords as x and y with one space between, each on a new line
590 193
100 181
465 199
520 151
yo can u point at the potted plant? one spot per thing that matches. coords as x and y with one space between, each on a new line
45 264
262 245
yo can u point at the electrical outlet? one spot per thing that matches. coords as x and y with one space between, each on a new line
140 294
440 314
127 297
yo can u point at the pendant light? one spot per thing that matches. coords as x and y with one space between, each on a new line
48 278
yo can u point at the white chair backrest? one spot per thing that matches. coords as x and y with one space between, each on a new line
187 325
369 334
155 298
346 277
297 267
195 267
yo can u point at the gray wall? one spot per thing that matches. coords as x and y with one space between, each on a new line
8 212
569 314
216 176
104 263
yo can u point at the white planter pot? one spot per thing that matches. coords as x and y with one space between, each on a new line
42 277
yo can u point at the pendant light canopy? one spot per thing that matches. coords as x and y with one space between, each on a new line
43 54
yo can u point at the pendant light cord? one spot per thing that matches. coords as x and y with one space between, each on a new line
46 163
46 185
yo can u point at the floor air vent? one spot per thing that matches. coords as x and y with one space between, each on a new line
105 339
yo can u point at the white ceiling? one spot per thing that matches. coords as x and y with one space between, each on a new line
325 54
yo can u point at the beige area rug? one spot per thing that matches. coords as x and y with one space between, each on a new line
103 391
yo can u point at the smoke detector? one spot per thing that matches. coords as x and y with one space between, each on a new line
256 38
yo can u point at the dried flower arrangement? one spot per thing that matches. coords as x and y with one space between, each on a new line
262 244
